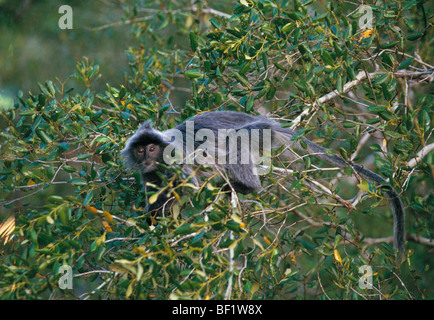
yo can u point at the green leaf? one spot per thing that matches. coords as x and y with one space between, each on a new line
84 156
348 124
243 80
49 219
44 136
389 45
337 49
350 72
234 226
343 153
43 89
55 199
50 86
245 67
77 182
339 85
393 134
27 113
388 60
406 63
184 229
364 186
381 78
409 4
271 92
279 66
373 121
262 92
88 198
327 58
193 41
215 23
288 27
63 215
375 147
297 16
193 74
63 146
303 48
377 109
152 199
415 36
250 103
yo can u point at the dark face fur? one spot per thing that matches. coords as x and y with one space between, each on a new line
147 156
144 149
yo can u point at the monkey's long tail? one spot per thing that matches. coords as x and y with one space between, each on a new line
394 200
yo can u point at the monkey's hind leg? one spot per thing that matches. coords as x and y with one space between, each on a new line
243 177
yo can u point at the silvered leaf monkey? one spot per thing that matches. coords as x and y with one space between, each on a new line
148 148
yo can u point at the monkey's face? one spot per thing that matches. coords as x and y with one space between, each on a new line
144 151
147 156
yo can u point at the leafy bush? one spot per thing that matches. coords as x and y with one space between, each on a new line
362 93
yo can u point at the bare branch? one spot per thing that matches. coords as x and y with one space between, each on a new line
362 75
420 155
213 12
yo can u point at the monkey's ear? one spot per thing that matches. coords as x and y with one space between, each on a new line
146 125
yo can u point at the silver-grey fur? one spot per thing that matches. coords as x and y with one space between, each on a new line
241 176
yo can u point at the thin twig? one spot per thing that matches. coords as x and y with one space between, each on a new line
362 75
420 155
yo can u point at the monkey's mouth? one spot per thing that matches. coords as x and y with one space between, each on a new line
149 166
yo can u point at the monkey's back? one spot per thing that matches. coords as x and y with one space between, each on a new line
215 120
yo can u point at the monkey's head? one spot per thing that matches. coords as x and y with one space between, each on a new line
144 150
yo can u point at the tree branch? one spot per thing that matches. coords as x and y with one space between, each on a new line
362 75
420 155
370 241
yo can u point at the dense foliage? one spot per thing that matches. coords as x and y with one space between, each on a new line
363 93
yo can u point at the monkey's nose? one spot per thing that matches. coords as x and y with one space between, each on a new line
149 162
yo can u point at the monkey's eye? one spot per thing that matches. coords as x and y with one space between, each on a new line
151 148
140 151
